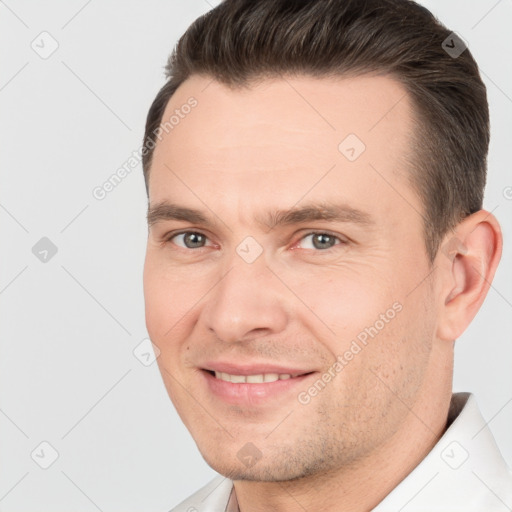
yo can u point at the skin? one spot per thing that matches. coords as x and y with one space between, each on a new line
241 153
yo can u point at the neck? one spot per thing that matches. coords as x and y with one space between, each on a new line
364 484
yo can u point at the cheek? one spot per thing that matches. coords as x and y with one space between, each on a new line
173 300
346 303
398 361
375 330
167 294
156 299
162 302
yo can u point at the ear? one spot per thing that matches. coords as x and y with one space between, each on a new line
467 261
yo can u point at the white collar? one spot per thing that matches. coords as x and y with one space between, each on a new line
464 472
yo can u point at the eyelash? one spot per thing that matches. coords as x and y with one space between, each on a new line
171 236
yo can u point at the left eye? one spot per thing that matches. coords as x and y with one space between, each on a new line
320 241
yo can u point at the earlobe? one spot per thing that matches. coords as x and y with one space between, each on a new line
468 257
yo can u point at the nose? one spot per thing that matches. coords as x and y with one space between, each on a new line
248 302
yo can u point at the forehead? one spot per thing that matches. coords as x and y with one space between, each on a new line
284 138
292 108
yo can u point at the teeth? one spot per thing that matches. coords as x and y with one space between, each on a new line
252 379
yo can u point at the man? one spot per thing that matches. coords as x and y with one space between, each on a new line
315 173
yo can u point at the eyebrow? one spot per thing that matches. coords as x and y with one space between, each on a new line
325 211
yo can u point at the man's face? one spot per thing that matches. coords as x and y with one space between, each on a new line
250 292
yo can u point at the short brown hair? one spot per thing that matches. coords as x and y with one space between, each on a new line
241 41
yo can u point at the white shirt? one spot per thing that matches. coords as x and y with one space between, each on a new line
463 472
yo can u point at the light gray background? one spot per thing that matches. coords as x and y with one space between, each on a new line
68 375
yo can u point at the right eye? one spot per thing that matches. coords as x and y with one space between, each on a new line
188 239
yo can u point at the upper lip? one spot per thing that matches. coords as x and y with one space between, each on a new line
253 369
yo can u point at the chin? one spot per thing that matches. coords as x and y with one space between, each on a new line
266 469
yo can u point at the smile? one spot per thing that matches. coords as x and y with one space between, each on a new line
253 379
254 389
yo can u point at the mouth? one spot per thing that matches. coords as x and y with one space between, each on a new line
251 389
258 378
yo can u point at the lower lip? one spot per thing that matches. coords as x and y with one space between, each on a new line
244 393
